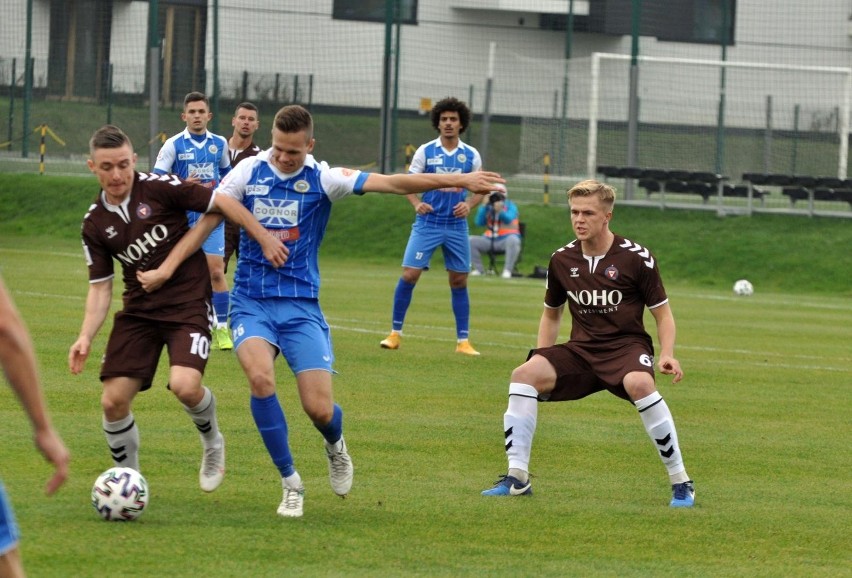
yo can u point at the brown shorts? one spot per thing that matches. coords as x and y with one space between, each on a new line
582 370
136 342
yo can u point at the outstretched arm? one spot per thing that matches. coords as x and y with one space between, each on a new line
153 279
479 182
17 356
273 250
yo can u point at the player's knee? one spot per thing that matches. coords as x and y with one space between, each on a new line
639 384
115 407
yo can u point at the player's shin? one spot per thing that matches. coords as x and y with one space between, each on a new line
519 423
123 439
659 424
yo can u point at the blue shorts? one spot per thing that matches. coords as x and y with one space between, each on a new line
296 327
215 243
9 533
424 240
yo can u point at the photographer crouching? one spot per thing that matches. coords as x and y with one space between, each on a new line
502 235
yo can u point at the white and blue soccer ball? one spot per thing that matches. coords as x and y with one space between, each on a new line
120 494
743 287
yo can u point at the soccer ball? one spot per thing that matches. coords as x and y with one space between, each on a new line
743 287
120 494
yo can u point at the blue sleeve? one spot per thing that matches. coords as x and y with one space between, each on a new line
160 171
480 220
511 212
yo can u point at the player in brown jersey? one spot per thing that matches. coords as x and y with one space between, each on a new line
136 219
606 282
240 146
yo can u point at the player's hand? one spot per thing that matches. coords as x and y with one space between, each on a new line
423 208
482 182
153 279
670 366
50 445
461 210
78 354
274 250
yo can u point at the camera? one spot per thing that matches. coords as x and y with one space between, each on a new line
496 197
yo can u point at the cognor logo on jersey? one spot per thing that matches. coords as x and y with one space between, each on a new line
642 252
461 157
190 156
257 190
143 211
302 186
276 212
213 149
142 247
203 171
611 272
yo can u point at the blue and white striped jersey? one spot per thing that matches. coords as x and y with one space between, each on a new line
295 208
206 160
431 157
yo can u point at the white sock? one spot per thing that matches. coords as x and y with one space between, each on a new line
204 417
519 425
294 482
123 441
660 426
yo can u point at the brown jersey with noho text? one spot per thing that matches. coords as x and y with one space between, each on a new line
606 295
139 234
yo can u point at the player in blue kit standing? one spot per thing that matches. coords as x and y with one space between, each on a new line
199 156
277 310
441 221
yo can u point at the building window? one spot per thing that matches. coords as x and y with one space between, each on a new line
373 10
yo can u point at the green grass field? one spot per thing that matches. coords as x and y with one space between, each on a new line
762 415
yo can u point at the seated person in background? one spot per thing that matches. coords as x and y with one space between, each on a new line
499 216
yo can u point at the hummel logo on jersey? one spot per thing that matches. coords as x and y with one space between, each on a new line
575 271
643 252
110 232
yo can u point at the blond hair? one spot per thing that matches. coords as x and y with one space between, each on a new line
591 187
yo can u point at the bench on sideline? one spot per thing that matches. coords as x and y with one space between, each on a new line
804 187
702 183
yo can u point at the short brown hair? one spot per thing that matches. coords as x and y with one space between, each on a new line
108 137
246 105
591 187
195 96
294 118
